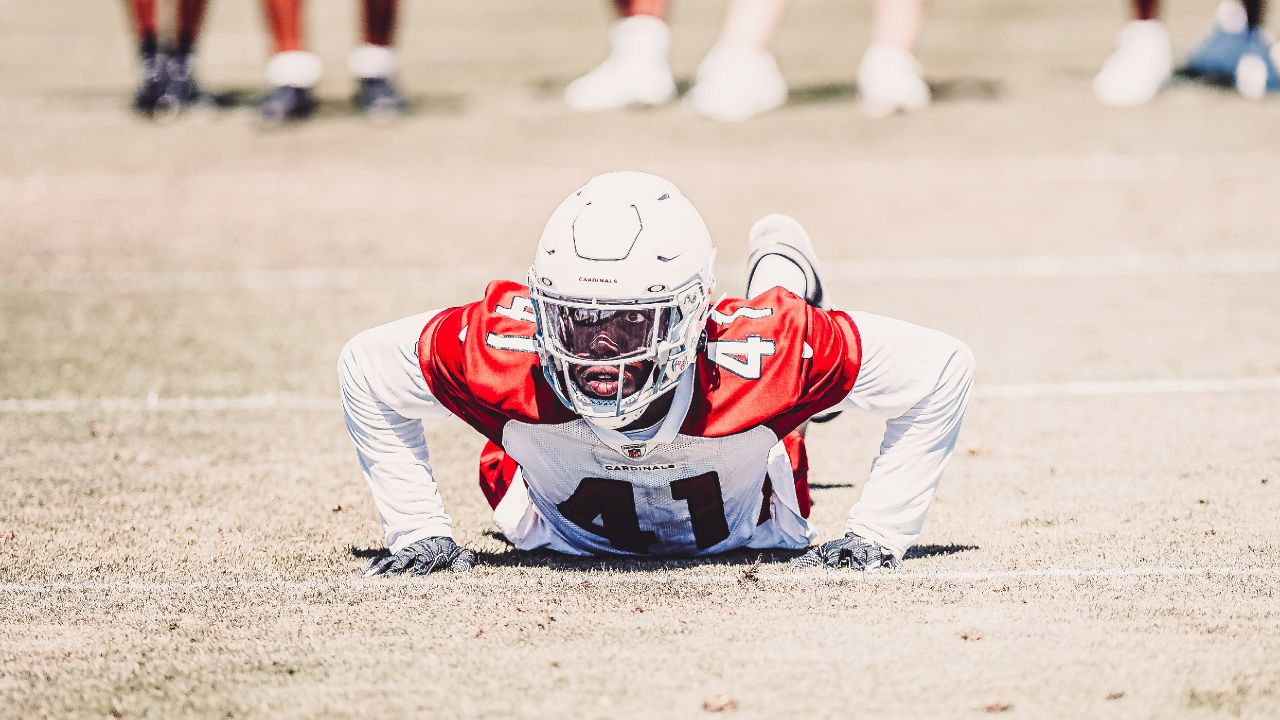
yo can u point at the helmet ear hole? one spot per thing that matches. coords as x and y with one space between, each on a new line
702 342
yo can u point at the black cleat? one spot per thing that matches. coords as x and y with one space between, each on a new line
286 103
378 97
153 84
168 87
181 92
851 551
180 82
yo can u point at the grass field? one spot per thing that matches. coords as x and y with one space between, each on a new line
184 522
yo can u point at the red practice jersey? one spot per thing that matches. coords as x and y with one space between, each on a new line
769 364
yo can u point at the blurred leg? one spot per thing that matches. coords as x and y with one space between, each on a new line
1146 9
752 23
637 71
380 22
628 8
142 13
181 90
897 23
889 77
292 71
1255 12
190 17
284 19
374 62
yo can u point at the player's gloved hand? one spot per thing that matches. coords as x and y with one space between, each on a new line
424 557
851 551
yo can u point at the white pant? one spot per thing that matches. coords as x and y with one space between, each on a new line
918 380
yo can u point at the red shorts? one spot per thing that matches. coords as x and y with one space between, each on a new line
498 469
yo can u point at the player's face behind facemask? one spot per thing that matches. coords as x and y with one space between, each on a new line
612 351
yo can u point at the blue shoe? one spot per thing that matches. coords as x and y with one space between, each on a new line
1215 59
1256 73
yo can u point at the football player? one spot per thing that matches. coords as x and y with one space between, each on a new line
739 78
293 71
1237 52
166 32
629 413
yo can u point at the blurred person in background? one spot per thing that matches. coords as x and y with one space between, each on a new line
1236 51
739 77
293 70
166 32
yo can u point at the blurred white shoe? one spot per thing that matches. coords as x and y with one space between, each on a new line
736 83
889 80
1139 67
637 71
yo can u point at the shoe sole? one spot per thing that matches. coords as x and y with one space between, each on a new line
883 109
765 105
593 104
630 103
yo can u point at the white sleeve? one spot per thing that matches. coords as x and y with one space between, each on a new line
384 400
918 380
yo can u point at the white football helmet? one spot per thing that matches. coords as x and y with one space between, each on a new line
621 289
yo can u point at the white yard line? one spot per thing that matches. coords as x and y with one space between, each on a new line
287 279
1056 266
588 578
273 401
476 276
155 403
1206 386
1197 166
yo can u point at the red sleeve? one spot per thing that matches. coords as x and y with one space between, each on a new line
776 362
478 361
827 377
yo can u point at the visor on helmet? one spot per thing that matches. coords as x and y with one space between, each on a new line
643 343
618 335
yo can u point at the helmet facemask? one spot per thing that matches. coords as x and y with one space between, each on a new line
608 359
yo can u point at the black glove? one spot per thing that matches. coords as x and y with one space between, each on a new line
851 551
423 557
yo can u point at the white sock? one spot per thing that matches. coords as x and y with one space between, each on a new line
295 68
372 61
